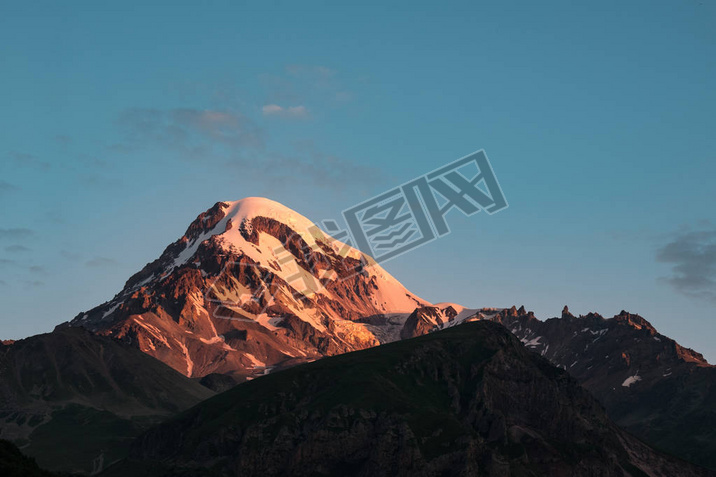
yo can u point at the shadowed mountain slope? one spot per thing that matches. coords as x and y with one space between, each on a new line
74 400
469 400
649 384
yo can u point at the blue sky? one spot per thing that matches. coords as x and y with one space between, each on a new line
121 123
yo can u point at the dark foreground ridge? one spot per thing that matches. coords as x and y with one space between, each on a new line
470 400
74 400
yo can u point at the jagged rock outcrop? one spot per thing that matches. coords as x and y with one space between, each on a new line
425 319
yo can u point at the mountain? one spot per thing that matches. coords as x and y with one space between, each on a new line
73 400
426 319
253 286
469 400
649 384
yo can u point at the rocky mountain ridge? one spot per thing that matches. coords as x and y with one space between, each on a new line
653 387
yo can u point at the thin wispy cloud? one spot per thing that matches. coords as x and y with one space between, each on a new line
191 131
100 262
24 159
94 162
99 181
343 96
7 263
17 249
230 138
311 85
288 112
16 233
71 256
692 256
313 166
55 217
63 140
314 72
6 188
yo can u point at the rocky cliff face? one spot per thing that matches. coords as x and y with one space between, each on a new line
649 384
251 287
470 400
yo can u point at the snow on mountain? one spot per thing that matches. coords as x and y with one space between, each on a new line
250 282
631 380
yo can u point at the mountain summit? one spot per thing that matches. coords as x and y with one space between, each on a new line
252 286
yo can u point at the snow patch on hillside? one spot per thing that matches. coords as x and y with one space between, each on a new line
631 380
533 343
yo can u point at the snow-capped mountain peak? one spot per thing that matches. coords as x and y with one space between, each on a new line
253 267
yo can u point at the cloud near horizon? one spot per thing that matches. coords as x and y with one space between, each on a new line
693 259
